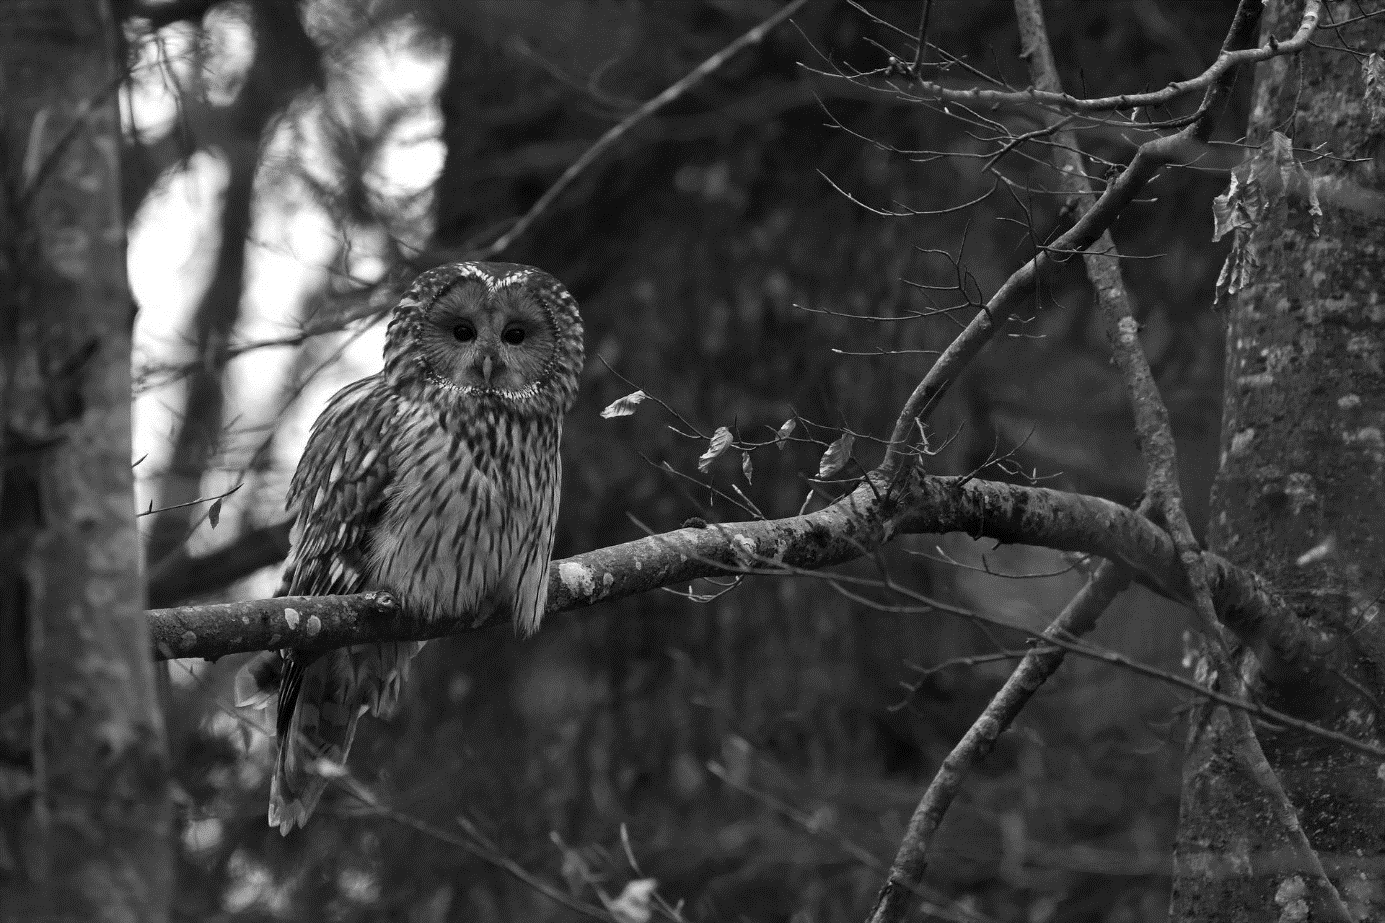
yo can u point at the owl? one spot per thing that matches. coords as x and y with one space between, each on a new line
436 480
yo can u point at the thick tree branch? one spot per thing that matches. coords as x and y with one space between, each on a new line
856 525
829 536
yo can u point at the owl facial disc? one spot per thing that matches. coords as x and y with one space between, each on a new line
493 332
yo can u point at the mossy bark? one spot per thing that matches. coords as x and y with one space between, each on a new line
1300 496
84 797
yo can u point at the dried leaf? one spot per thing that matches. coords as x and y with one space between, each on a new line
1238 270
747 468
623 406
1278 152
1256 201
781 438
214 512
1373 73
836 456
721 440
1294 179
635 904
1229 211
1314 205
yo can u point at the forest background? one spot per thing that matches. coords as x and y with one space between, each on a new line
755 746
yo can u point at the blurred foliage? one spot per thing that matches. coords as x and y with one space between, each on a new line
713 262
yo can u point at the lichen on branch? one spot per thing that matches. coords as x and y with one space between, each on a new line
860 523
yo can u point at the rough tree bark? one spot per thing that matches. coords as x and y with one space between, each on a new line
84 798
1300 496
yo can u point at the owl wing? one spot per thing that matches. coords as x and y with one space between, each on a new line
536 546
338 492
337 496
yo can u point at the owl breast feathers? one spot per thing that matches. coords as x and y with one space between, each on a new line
436 480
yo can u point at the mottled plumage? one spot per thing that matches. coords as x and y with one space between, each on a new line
437 480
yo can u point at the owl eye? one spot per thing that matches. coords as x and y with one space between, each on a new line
514 335
464 332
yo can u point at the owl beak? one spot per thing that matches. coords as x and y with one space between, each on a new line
487 367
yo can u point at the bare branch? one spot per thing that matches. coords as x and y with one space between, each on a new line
857 524
1080 615
1227 62
812 823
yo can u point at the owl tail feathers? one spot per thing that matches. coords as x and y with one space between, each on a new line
257 682
317 720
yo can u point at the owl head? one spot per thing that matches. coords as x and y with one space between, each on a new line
497 334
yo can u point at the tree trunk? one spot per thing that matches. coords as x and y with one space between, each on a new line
1301 492
84 798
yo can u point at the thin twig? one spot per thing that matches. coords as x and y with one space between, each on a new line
1230 60
858 852
1149 158
616 132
